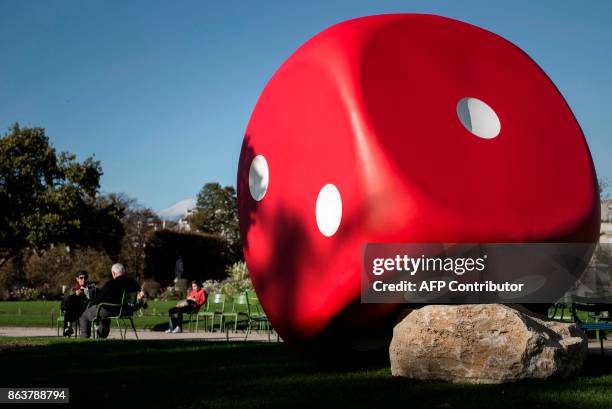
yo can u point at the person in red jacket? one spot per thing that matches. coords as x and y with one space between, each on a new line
195 299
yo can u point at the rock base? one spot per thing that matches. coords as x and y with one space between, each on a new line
488 343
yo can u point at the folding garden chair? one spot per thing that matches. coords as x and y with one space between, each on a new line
125 312
239 309
60 322
214 308
257 316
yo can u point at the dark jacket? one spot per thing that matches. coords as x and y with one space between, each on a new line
113 290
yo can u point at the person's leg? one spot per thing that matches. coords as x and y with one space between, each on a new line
187 310
180 312
78 311
71 313
81 305
74 308
88 316
104 328
104 324
172 312
179 318
183 310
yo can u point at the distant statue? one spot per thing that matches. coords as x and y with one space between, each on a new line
178 268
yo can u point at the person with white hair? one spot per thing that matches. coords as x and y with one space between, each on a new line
111 293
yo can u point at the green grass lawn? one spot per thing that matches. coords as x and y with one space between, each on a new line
189 374
43 313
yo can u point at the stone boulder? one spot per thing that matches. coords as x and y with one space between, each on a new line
488 343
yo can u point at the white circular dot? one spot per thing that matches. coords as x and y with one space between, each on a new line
329 210
478 118
259 177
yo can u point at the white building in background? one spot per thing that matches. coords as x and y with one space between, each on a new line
605 235
175 216
183 223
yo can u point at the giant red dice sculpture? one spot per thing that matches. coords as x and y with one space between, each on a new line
400 128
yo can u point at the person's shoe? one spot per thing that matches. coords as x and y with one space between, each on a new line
68 332
169 330
177 330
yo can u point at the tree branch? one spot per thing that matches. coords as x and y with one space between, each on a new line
8 257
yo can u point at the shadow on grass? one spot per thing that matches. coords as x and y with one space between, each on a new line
196 374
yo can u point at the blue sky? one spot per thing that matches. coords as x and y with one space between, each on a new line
161 92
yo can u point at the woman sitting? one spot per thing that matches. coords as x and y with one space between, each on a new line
75 302
195 299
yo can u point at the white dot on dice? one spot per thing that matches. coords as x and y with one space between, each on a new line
259 177
329 210
478 118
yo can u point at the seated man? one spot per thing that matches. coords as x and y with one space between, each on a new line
111 293
74 304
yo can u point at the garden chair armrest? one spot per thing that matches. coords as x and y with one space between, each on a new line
105 304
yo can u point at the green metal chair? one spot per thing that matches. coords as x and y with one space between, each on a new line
124 313
240 309
215 306
560 311
256 316
60 322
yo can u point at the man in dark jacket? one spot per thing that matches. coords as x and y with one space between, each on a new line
111 293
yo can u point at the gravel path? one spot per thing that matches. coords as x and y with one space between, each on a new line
142 334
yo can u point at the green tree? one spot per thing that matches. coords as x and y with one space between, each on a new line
203 254
49 269
216 213
48 198
138 222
